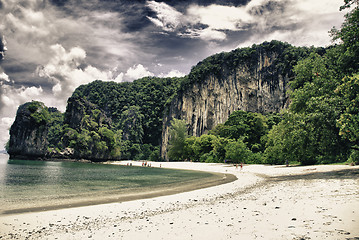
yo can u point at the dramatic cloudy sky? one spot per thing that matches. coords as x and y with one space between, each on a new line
50 47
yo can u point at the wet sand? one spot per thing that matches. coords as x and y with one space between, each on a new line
265 202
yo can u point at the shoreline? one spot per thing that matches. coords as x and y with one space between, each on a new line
265 202
123 195
138 194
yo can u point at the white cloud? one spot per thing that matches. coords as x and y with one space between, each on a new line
220 17
301 23
6 121
65 71
204 22
263 19
317 7
119 78
5 124
136 72
4 77
12 97
168 18
209 34
32 24
173 73
30 29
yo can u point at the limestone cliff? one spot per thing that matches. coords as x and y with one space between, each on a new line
253 79
78 111
84 117
30 138
28 134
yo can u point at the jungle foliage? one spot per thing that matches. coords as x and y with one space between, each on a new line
322 122
321 125
241 138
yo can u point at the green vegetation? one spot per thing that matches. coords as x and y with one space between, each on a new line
55 127
134 125
240 139
144 98
38 112
178 135
321 125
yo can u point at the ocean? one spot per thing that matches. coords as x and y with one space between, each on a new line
27 186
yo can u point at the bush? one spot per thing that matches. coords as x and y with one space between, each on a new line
354 157
255 158
155 154
237 151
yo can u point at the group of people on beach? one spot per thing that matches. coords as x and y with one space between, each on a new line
145 164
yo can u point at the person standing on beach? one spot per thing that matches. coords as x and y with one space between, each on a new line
241 166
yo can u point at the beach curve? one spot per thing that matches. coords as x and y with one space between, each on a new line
265 201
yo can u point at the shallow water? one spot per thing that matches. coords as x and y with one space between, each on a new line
29 184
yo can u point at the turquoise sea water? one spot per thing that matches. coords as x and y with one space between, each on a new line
29 184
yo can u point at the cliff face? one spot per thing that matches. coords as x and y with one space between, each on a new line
85 117
79 111
259 85
28 134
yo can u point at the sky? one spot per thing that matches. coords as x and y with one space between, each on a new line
50 47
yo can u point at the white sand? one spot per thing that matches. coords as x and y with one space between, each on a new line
266 202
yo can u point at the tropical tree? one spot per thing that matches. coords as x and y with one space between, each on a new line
348 121
348 34
178 135
250 127
237 151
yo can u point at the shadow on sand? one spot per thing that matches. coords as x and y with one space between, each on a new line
339 174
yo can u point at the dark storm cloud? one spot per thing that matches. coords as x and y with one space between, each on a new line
2 47
59 3
23 73
205 2
135 13
176 52
12 67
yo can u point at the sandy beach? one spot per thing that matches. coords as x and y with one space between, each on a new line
265 202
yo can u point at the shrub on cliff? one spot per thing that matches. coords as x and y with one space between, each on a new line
39 112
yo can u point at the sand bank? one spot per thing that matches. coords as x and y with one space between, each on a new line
265 202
